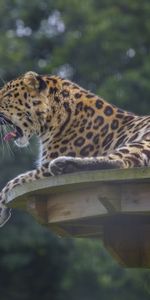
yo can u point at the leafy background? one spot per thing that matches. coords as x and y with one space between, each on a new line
105 47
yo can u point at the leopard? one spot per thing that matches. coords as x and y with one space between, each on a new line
77 130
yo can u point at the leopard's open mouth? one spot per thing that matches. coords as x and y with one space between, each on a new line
14 131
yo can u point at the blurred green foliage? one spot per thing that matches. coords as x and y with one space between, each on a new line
105 47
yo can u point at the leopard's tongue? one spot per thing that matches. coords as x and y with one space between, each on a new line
10 135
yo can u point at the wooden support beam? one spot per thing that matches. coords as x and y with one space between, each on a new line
113 205
127 237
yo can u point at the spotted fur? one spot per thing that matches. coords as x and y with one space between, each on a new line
77 130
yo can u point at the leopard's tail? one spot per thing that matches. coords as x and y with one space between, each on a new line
5 214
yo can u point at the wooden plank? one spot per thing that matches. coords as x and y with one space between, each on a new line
83 203
66 206
113 205
77 180
135 197
70 206
91 201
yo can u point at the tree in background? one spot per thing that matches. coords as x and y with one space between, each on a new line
105 47
33 262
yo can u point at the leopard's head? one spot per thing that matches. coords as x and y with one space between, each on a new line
23 105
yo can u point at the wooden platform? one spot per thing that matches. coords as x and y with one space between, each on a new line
113 205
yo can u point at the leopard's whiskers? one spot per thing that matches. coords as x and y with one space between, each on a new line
5 128
2 79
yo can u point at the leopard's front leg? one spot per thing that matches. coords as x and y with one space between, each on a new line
33 175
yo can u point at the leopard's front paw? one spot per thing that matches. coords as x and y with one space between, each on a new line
63 165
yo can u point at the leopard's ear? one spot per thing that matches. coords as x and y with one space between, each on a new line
34 81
